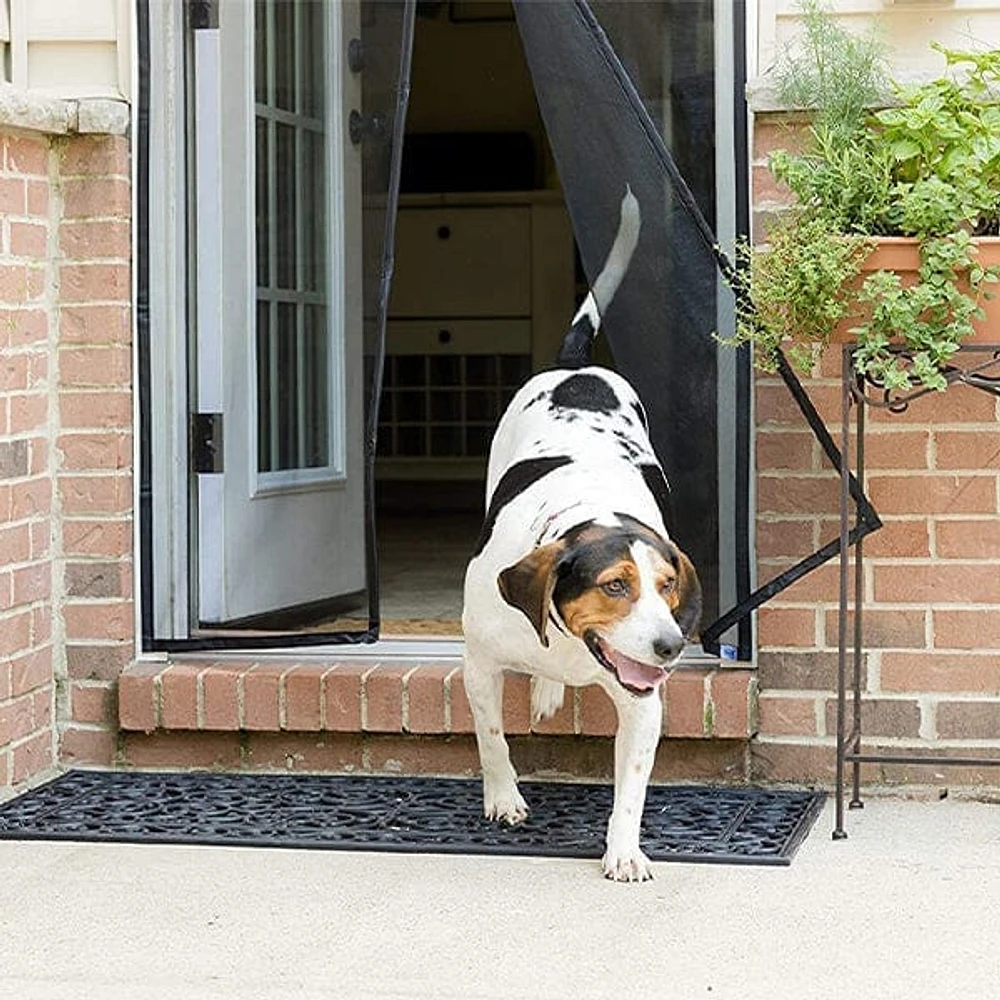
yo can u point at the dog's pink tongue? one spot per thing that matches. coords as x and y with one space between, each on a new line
634 673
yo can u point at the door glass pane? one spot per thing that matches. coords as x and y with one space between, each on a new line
293 356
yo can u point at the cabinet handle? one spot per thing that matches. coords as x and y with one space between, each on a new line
444 336
444 232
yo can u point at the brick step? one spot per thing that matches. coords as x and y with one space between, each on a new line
284 695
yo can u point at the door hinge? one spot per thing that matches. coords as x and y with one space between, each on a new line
206 442
203 14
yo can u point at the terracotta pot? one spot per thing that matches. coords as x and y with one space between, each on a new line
902 254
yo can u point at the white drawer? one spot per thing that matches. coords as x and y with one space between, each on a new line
462 262
467 336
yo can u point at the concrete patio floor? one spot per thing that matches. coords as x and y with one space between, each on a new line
905 908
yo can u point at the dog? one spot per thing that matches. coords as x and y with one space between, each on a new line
575 579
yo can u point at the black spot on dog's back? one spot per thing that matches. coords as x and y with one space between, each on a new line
584 392
512 484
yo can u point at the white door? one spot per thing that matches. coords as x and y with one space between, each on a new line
278 307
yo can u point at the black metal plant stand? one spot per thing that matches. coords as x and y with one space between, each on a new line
858 393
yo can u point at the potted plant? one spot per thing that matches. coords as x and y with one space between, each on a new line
892 239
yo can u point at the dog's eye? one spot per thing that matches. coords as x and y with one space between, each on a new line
668 586
615 588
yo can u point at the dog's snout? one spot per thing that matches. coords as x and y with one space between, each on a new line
668 647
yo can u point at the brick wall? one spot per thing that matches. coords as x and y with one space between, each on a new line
65 447
931 576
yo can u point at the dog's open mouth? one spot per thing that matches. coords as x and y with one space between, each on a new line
639 677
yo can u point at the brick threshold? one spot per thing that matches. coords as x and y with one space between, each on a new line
339 694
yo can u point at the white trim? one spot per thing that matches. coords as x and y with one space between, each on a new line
168 322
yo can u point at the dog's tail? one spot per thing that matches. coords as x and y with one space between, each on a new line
575 350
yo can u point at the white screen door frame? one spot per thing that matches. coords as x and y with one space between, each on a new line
277 308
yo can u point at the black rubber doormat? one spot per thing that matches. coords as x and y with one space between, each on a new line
417 815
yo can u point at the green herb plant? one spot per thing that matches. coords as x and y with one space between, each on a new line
926 166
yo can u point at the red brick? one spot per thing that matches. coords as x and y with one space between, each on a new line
98 661
97 538
96 197
182 750
179 696
29 239
461 711
32 583
14 373
96 409
27 154
425 698
93 703
787 716
220 695
80 745
303 698
37 198
890 448
598 716
16 721
938 583
101 365
95 494
769 136
105 620
94 156
28 412
261 698
392 754
30 498
517 704
30 671
786 626
15 633
25 327
786 449
15 543
884 628
92 240
384 698
326 752
973 450
800 495
968 720
685 703
343 697
33 756
821 584
13 196
785 538
86 283
732 696
940 408
774 404
968 539
899 539
95 324
886 717
950 673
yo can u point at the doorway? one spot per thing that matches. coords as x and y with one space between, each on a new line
267 312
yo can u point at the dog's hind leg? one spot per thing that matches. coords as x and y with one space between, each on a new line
484 686
546 698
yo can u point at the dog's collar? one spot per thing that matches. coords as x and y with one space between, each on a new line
543 526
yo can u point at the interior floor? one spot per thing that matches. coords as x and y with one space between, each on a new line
422 559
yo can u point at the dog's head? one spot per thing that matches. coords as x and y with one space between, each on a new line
630 595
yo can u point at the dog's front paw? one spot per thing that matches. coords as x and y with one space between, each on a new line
626 866
505 806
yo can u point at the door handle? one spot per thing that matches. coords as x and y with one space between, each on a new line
361 127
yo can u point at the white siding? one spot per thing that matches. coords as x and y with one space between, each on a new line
68 48
908 26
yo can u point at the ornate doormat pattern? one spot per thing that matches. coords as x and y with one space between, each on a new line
415 815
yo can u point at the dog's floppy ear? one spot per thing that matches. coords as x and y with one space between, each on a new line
688 610
528 585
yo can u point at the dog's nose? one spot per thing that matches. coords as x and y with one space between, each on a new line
668 648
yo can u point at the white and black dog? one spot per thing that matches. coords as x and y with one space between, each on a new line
575 579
